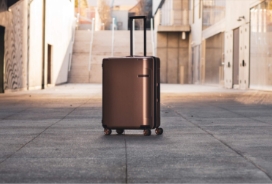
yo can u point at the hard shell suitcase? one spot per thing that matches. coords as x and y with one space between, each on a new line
131 91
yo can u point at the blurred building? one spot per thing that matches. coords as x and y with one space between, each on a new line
142 8
105 10
172 33
229 42
35 43
108 38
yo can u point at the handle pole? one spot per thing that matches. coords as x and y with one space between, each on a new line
145 36
131 33
131 37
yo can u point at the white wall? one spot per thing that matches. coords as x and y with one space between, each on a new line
196 26
121 16
242 8
35 45
234 9
59 21
155 5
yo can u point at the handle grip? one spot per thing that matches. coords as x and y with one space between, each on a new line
131 33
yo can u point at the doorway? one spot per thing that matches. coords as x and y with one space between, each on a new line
213 59
49 64
236 57
2 54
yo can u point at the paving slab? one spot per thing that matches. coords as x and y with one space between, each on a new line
63 170
211 135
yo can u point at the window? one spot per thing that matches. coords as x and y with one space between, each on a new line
213 11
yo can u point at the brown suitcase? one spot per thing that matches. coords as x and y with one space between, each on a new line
131 91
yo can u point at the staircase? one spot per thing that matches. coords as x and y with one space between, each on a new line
79 72
101 49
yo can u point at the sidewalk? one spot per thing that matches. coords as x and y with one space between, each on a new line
211 135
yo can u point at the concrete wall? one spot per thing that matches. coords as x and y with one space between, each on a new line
180 15
58 33
242 8
196 25
174 56
195 39
15 47
213 59
22 46
35 44
212 54
231 23
155 5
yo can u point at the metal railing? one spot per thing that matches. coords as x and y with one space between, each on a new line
152 37
133 39
112 37
91 43
152 32
75 25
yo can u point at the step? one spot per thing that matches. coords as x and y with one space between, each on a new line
83 35
120 54
102 48
127 49
79 70
79 79
81 47
96 73
79 64
97 59
100 53
80 57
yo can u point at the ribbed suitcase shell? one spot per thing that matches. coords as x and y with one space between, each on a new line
131 93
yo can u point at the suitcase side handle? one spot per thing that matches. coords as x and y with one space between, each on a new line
131 33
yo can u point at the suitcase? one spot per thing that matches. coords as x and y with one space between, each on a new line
131 91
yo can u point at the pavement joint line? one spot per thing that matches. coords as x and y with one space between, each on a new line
41 133
242 115
15 113
224 143
126 161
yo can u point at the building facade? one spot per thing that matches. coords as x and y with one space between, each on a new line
35 43
172 34
229 42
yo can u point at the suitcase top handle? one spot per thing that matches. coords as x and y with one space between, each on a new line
131 33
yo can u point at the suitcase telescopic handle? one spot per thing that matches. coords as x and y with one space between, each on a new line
131 33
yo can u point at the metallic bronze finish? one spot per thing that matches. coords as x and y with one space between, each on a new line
130 92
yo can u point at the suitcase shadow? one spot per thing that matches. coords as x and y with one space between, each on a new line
132 136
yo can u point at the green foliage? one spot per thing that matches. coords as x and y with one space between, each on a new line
104 11
83 3
269 5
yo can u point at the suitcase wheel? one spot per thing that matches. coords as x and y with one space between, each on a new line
120 131
159 131
147 132
107 131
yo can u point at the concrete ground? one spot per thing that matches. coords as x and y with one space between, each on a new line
211 135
